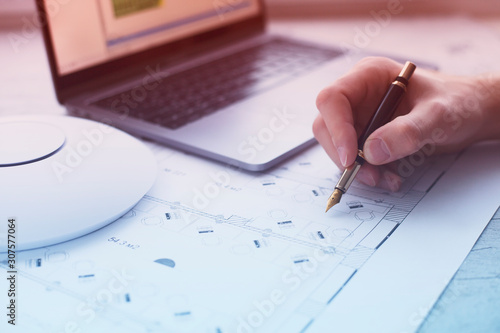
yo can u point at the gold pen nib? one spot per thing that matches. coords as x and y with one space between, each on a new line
334 199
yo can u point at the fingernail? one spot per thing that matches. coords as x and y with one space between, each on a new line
376 151
366 178
342 155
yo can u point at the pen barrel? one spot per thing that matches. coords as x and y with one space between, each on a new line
386 109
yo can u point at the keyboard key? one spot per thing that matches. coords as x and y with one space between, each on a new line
187 96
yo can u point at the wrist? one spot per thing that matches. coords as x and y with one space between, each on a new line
488 95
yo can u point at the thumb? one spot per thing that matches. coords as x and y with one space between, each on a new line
399 138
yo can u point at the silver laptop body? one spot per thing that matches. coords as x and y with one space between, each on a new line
108 58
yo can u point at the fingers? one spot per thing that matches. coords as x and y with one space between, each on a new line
338 122
380 176
369 175
428 123
323 136
397 139
348 103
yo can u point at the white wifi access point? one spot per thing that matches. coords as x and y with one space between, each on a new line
63 177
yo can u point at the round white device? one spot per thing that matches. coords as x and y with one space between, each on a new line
63 177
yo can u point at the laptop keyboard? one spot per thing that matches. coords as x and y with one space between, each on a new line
187 96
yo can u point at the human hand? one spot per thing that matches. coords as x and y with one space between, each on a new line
439 112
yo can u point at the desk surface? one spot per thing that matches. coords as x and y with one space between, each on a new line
469 303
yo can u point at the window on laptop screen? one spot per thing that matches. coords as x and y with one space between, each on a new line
90 32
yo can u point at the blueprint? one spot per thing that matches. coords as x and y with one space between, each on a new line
215 249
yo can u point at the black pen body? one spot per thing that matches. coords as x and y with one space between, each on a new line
385 110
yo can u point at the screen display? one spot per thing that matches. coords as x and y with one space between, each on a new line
90 32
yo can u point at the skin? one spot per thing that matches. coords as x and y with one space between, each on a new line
438 114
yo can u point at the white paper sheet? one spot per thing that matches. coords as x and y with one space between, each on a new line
394 289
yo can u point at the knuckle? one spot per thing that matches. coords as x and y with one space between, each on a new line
377 62
439 106
324 96
372 60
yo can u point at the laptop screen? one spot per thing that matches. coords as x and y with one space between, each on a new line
85 33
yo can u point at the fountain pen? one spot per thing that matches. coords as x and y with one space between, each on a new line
382 115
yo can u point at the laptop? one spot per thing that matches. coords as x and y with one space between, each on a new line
202 76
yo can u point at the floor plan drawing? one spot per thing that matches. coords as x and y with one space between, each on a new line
218 250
